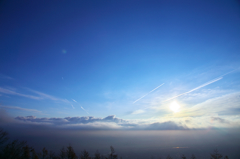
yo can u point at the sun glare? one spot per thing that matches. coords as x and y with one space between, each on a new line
175 107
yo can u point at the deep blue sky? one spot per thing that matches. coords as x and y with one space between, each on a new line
101 58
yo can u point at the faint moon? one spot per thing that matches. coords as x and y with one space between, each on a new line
175 107
64 51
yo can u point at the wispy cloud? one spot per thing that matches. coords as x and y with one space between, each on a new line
40 95
223 105
11 92
46 96
201 86
148 93
19 108
140 111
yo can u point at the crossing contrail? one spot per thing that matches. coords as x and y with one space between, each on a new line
203 85
148 93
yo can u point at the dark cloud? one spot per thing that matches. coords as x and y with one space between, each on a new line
220 120
187 121
41 120
113 118
109 122
165 126
71 120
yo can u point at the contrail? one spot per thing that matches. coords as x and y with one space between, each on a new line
84 109
203 85
72 106
79 105
74 101
148 93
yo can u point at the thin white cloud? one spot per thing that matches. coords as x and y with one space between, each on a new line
74 100
140 111
19 108
201 86
46 96
40 96
11 92
227 105
148 93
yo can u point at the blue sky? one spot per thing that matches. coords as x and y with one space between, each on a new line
103 61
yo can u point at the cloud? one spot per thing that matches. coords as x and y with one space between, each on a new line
70 120
46 96
41 96
187 121
230 111
148 93
34 119
165 126
140 111
220 120
19 108
11 92
109 122
223 105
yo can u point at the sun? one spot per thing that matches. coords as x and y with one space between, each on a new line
175 107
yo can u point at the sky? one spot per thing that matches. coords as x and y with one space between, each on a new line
120 65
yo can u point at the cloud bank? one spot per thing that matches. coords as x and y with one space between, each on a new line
90 122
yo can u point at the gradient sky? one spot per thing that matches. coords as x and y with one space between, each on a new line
121 64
